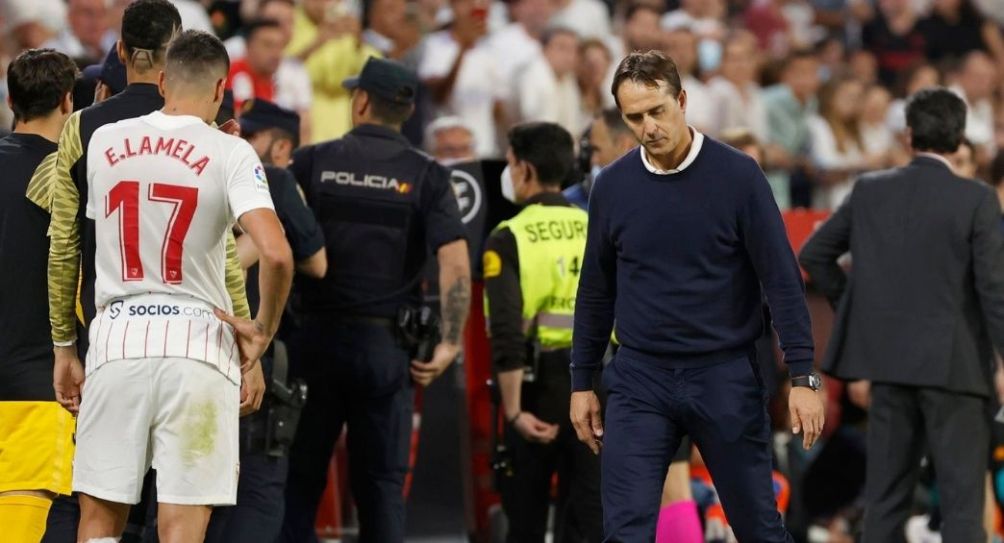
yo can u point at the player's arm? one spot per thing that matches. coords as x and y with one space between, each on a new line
235 279
56 188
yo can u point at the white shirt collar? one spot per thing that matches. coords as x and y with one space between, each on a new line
938 157
695 148
169 122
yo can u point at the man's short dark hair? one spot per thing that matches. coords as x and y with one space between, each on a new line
197 57
257 25
997 170
38 81
547 146
649 68
635 7
937 120
147 28
614 122
389 112
797 55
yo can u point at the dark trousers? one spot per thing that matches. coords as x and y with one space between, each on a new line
257 517
356 375
903 423
650 405
526 496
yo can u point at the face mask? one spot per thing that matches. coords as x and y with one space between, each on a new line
508 189
709 55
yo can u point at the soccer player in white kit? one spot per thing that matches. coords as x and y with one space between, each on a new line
164 367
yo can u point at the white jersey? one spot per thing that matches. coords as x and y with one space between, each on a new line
163 190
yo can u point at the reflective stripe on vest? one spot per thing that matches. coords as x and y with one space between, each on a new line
550 243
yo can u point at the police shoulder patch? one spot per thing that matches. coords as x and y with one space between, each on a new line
492 264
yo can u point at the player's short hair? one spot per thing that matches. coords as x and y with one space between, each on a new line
38 81
258 25
937 120
547 146
614 122
649 68
389 112
197 57
147 29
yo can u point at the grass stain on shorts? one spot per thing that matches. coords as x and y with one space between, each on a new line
199 431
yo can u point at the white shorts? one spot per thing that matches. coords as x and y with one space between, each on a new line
176 414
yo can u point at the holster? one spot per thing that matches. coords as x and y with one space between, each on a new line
285 402
419 331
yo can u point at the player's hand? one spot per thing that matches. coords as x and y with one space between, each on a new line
860 393
424 373
231 127
68 378
252 340
585 415
807 416
534 429
252 389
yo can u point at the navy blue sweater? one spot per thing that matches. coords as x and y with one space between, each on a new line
677 261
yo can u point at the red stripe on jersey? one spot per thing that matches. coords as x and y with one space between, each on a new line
125 334
188 338
167 328
146 338
97 334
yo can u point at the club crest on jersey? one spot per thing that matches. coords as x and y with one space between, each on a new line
368 181
260 180
177 149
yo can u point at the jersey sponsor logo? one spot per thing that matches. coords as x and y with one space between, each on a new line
260 181
368 181
157 310
468 193
178 149
492 264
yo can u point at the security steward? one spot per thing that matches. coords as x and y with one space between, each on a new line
36 434
364 339
265 436
531 271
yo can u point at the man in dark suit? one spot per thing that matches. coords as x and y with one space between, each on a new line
919 317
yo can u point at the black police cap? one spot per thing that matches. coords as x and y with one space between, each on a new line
111 72
386 79
257 115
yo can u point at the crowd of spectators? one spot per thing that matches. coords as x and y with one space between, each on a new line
820 84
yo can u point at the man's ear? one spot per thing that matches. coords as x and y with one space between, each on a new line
120 50
162 84
66 107
221 89
682 100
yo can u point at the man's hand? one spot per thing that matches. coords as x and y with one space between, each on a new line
252 340
860 393
424 373
68 378
585 414
807 416
252 390
533 429
231 127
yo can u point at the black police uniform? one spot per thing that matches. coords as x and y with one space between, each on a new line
257 517
384 208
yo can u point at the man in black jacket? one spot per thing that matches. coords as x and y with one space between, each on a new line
918 317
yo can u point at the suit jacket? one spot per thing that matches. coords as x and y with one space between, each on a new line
925 296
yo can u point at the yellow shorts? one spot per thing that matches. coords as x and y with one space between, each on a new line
36 447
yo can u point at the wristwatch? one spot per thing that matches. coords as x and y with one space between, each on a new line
811 380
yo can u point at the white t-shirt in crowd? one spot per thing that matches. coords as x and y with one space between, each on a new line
826 156
193 15
542 96
588 18
733 110
478 87
700 106
163 190
513 49
979 120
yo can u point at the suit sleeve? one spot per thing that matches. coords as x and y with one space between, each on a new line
826 245
766 242
60 192
504 302
988 265
594 302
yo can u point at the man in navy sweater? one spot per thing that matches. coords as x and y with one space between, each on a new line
684 240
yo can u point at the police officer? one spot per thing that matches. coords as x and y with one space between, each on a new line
383 207
265 436
531 270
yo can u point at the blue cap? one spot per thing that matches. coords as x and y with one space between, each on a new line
387 79
111 72
257 115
